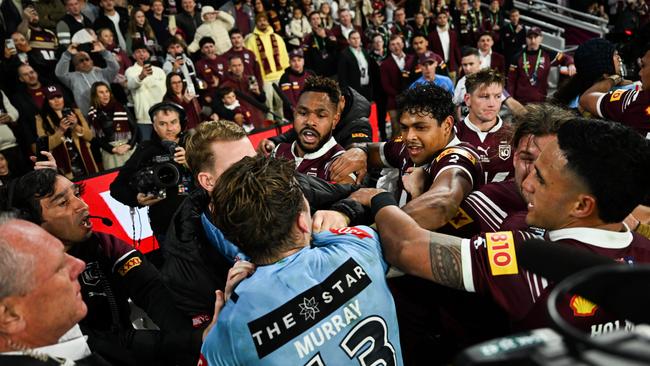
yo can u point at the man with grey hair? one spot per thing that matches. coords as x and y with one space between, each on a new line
40 299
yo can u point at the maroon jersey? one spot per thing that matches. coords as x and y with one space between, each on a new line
629 107
488 209
456 154
493 147
206 68
251 67
529 71
490 267
316 164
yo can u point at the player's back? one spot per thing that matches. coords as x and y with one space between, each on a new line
327 304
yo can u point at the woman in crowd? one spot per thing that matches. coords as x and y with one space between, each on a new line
118 84
68 135
326 15
114 126
177 92
139 30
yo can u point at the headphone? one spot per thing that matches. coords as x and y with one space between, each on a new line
168 105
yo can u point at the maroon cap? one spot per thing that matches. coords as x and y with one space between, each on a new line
430 56
534 31
296 53
53 91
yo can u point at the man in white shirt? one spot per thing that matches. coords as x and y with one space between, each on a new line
40 300
147 86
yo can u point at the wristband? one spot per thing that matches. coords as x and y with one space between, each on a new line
362 147
380 201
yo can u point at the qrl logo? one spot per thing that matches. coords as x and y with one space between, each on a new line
501 253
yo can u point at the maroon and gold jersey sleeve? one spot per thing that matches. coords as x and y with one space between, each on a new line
489 266
393 154
629 107
458 157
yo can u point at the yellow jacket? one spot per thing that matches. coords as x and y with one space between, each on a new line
265 37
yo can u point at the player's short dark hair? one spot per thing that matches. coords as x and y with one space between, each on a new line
612 160
485 33
484 77
469 51
540 120
23 195
256 203
427 99
396 36
321 84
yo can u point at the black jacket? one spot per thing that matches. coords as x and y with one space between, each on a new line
349 73
103 21
123 190
114 273
193 267
354 126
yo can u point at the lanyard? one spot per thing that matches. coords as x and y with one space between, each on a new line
539 57
495 20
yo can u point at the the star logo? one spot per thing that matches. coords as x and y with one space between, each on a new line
309 308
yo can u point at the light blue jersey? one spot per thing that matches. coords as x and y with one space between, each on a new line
327 304
440 80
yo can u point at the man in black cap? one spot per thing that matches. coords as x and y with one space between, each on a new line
293 80
529 70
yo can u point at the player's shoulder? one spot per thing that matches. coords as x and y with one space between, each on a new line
463 150
344 234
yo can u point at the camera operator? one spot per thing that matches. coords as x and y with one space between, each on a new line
156 175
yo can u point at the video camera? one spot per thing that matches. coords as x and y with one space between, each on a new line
162 173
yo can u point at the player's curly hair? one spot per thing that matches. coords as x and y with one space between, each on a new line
255 204
427 99
484 77
321 84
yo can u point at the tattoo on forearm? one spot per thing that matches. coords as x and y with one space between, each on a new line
445 263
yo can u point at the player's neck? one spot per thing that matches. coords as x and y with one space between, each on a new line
484 126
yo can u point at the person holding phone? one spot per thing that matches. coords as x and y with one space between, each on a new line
68 135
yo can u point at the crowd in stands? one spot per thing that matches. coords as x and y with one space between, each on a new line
473 138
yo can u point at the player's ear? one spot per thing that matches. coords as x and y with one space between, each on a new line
584 206
447 124
206 180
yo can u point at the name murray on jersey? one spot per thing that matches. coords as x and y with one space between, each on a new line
275 329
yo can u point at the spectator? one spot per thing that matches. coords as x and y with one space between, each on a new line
216 24
395 77
326 17
259 7
119 83
39 36
477 14
376 26
490 58
163 27
147 85
118 272
115 127
310 263
513 36
444 42
465 24
237 79
177 61
493 21
251 64
315 117
297 28
470 63
271 54
90 10
528 75
284 11
320 48
85 74
211 68
242 12
429 62
420 25
483 128
42 303
23 53
377 48
9 148
293 81
342 30
68 135
235 111
177 93
188 19
355 67
72 22
50 12
115 18
168 140
401 27
139 30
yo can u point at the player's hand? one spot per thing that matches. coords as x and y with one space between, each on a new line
5 118
265 147
147 199
179 156
365 195
353 161
236 274
218 305
415 181
572 70
326 219
50 163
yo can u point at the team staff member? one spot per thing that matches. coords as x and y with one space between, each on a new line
114 273
168 124
529 70
579 191
300 289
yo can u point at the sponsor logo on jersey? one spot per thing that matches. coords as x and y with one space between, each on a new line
504 151
456 150
501 253
359 134
582 307
199 320
129 265
333 296
616 95
461 219
351 230
202 361
647 111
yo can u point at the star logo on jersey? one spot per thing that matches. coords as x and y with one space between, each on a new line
309 308
582 307
461 219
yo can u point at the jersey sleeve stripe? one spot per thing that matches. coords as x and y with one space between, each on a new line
530 287
471 180
466 265
121 258
496 209
598 110
493 222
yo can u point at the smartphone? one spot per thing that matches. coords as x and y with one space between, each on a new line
42 145
9 43
66 111
252 80
179 57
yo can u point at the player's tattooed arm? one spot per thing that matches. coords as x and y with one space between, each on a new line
446 265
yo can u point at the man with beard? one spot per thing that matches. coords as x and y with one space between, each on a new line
315 117
41 39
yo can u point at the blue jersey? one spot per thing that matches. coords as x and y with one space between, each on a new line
440 80
327 304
